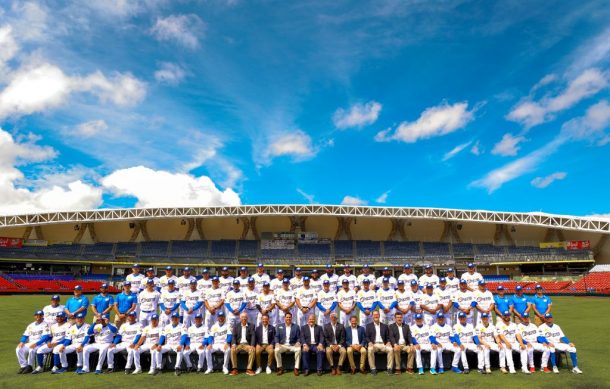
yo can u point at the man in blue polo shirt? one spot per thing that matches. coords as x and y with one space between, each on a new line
77 303
521 304
541 304
125 302
102 303
503 302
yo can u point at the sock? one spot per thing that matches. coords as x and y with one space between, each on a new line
56 361
553 360
574 359
40 359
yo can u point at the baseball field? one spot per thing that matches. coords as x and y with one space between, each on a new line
585 320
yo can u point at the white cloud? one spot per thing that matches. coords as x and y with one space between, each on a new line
543 182
121 89
91 128
435 121
358 115
531 113
8 46
383 198
182 29
476 149
309 197
592 53
455 151
351 200
296 144
508 146
170 74
31 21
51 197
599 216
591 126
549 78
158 188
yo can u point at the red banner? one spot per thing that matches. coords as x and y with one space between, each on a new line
578 245
11 242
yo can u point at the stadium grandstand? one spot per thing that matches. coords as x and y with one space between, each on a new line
47 252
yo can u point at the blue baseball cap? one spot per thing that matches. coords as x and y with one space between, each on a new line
306 278
198 316
135 265
55 297
168 268
329 266
386 268
418 316
442 279
260 265
171 282
484 315
407 266
280 270
346 266
175 315
298 269
429 286
345 281
80 315
519 287
131 313
366 265
243 268
366 281
61 314
106 316
400 282
39 312
482 282
440 315
500 287
385 279
104 286
154 316
193 281
220 314
470 264
326 282
427 266
250 279
236 282
548 315
266 283
413 282
538 286
463 282
224 268
215 278
314 271
126 283
186 269
506 313
205 271
461 315
78 287
450 270
285 281
150 281
150 269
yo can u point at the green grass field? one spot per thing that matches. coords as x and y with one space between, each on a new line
585 320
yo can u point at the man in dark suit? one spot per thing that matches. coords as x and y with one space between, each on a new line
312 339
287 339
334 338
243 340
378 337
264 339
400 337
355 339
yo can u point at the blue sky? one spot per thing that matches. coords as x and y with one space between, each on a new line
454 104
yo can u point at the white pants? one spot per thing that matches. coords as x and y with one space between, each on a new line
546 352
211 319
522 353
323 319
501 354
563 347
136 356
164 319
387 318
26 355
218 347
252 315
102 348
44 349
475 349
189 320
68 350
259 318
157 356
449 348
433 355
118 348
200 350
144 317
302 317
232 319
365 319
344 317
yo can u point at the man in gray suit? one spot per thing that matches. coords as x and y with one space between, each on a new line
334 337
400 337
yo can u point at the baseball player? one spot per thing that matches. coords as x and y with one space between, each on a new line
169 275
58 336
404 303
417 297
276 283
35 335
552 335
103 333
225 279
150 275
445 299
508 333
530 333
472 277
305 301
421 334
195 342
77 303
463 301
235 303
327 302
521 304
453 283
365 275
102 303
284 300
297 281
430 304
251 300
490 341
184 281
191 302
52 310
149 301
407 274
502 302
467 340
169 302
214 302
205 282
331 277
260 277
366 301
173 338
386 301
126 340
135 279
266 304
124 303
351 279
316 282
346 299
219 340
386 273
428 278
484 300
243 276
442 339
541 304
75 341
149 341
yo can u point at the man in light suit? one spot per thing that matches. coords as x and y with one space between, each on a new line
378 337
334 337
264 338
400 337
287 339
312 338
355 340
243 340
